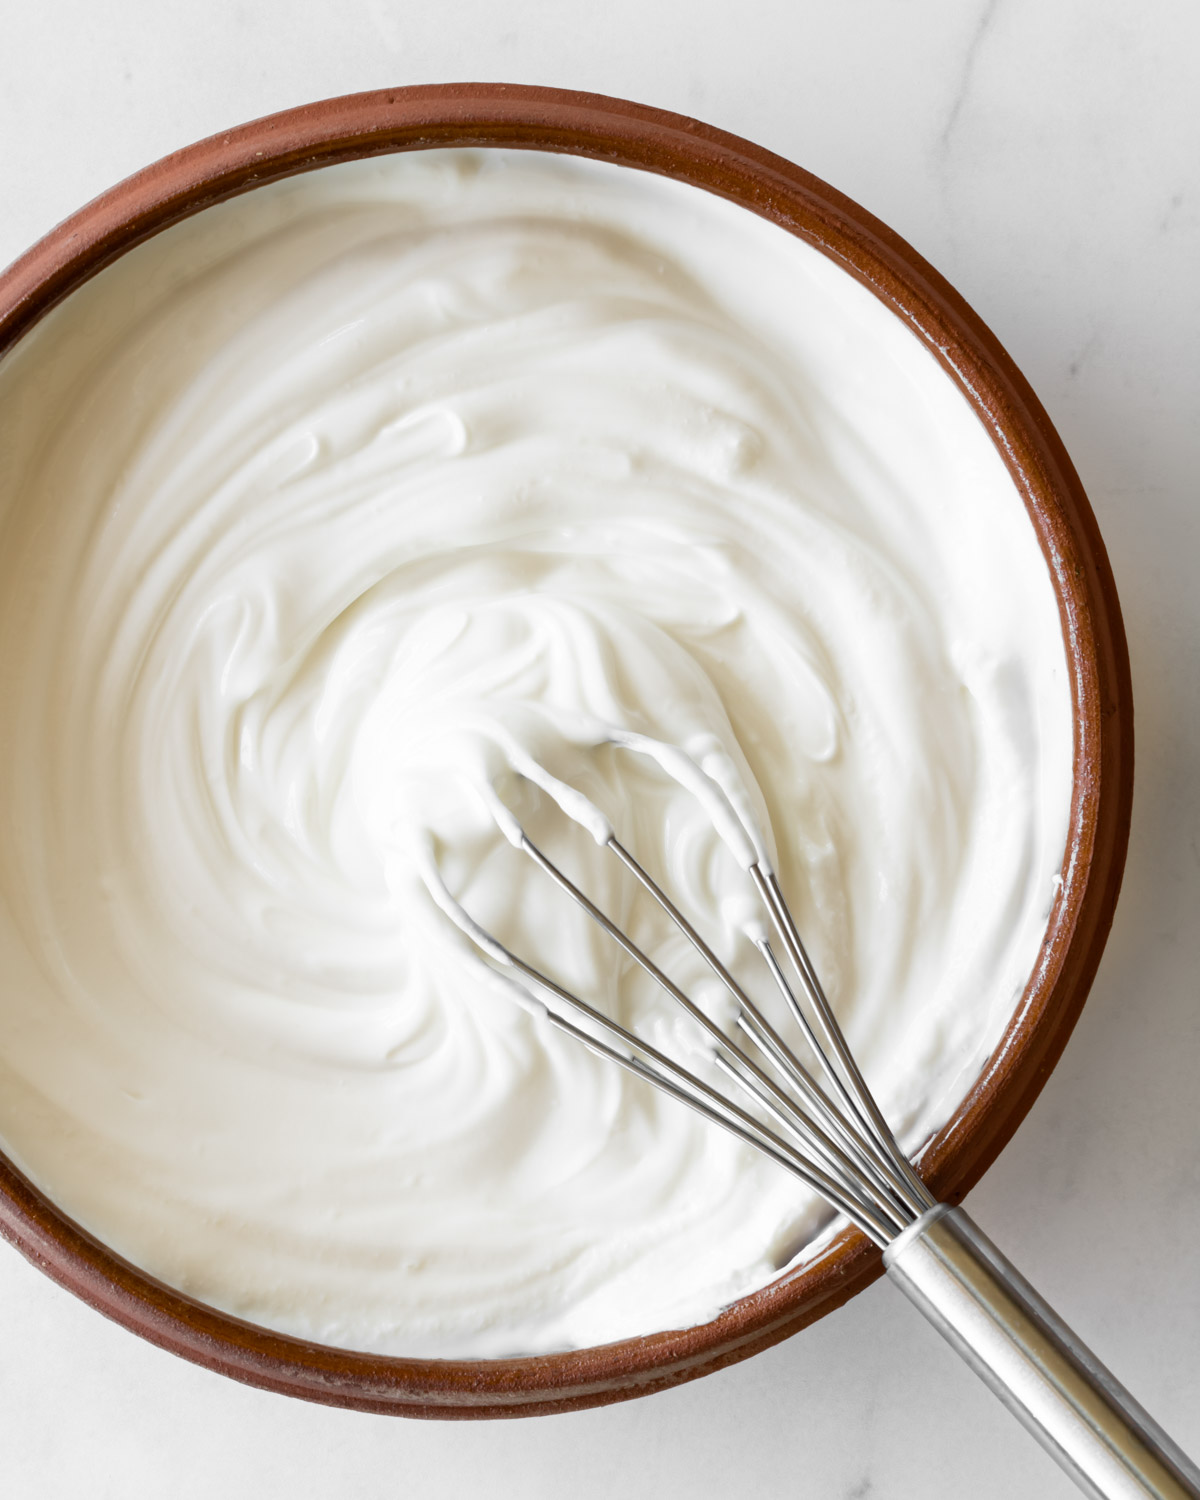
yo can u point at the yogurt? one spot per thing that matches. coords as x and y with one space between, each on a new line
331 520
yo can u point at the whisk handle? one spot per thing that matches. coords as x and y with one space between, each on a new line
1085 1419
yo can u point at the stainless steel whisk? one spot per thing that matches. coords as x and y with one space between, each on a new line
828 1131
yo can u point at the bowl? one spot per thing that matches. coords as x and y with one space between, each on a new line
496 115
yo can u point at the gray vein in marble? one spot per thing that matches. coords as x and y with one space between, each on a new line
1171 214
966 76
1088 349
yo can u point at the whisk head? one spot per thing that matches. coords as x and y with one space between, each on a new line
821 1123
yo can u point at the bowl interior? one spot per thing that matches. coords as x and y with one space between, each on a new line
548 120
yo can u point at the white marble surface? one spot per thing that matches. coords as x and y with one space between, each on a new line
1044 154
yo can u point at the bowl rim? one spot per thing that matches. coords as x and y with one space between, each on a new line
633 135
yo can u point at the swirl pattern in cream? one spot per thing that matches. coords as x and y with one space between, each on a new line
333 503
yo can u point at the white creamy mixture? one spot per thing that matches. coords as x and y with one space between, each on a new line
323 509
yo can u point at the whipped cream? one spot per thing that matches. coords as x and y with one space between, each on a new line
329 521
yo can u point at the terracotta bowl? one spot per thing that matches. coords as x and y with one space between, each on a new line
365 125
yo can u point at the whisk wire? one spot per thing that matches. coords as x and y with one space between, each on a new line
849 1162
853 1089
834 1163
847 1154
763 1084
671 1079
751 1019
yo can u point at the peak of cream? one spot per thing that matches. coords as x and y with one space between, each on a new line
342 501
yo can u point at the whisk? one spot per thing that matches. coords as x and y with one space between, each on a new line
821 1123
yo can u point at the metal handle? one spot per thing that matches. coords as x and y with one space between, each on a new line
982 1305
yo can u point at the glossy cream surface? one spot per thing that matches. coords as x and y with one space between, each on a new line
341 508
